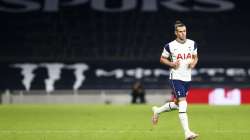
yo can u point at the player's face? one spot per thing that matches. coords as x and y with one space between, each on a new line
181 33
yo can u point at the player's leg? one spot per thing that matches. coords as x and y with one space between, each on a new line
169 106
180 93
165 108
184 119
183 88
189 135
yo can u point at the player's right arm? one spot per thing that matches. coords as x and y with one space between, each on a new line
166 58
166 61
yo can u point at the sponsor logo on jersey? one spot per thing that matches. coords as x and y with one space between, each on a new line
184 56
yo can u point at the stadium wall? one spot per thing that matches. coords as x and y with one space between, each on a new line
81 97
212 96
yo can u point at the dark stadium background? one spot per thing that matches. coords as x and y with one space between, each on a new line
122 35
67 68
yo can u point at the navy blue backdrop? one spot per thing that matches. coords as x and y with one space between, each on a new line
119 34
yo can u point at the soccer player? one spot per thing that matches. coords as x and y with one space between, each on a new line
181 56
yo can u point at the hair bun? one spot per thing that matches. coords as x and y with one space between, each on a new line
178 22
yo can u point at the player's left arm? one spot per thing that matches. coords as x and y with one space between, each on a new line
194 61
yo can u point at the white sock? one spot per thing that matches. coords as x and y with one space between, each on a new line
167 107
184 121
183 115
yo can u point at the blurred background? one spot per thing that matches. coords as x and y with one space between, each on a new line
93 51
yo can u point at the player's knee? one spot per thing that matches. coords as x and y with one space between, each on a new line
182 106
176 102
173 106
179 99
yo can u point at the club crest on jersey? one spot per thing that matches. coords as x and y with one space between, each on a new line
184 56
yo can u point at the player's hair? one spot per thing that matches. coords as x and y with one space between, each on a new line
177 24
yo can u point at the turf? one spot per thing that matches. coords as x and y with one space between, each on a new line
119 122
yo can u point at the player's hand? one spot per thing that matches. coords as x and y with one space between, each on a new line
193 62
176 64
191 65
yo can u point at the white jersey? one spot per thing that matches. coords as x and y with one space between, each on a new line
182 52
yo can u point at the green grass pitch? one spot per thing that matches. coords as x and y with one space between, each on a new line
120 122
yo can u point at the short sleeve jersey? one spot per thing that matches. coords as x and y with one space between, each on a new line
182 52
